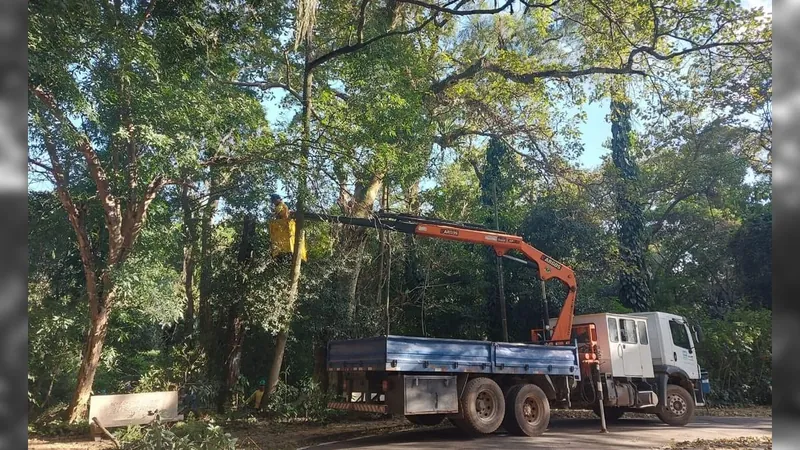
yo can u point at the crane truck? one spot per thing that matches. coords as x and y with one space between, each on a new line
608 363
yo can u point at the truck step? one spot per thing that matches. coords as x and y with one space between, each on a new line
646 399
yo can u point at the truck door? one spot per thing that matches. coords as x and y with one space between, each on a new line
645 352
683 353
630 348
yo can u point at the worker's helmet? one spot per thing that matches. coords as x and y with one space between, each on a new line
262 382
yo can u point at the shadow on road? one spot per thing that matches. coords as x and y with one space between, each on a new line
624 434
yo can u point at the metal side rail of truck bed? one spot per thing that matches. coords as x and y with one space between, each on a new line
421 355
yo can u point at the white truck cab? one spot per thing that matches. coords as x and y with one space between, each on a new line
648 362
672 343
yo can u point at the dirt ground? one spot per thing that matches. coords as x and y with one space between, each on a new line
67 443
291 435
750 443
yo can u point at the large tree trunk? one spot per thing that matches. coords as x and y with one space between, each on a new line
634 290
235 321
354 239
206 230
189 257
90 361
321 362
302 191
277 360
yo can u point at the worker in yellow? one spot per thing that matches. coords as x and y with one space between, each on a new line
258 395
281 210
281 232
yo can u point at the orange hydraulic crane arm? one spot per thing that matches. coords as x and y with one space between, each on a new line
547 267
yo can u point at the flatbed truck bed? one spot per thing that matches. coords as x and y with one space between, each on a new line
426 355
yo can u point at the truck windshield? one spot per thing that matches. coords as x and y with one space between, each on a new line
680 336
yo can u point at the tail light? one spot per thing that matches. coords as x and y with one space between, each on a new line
386 385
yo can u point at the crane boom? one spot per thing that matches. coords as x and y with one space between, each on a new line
501 242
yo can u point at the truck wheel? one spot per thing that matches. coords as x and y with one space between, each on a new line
482 406
527 410
612 413
679 408
426 419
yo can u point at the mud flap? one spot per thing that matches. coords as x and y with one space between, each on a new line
661 379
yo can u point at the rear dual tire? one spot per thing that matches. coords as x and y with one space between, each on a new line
527 410
523 411
483 407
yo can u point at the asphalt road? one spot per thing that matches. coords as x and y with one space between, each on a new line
575 433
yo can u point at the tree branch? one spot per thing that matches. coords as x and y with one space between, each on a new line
147 13
98 174
133 226
347 49
662 220
483 64
472 12
361 19
267 85
41 165
75 217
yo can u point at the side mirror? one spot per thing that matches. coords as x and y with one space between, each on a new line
698 333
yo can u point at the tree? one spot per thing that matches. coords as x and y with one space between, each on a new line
633 279
496 188
103 118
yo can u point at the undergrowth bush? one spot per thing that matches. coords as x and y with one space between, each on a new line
190 435
304 401
737 352
58 428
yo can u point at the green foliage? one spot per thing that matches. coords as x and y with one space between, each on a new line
190 435
736 349
303 401
152 287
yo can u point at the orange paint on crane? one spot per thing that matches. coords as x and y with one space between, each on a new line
548 267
